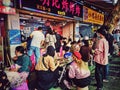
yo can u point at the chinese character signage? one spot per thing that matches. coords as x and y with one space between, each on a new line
7 10
67 8
6 7
92 16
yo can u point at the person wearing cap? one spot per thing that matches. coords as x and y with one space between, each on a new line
78 72
37 40
101 57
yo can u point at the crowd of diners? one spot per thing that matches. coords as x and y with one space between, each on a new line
55 49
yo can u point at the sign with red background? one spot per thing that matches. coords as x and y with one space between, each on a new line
6 7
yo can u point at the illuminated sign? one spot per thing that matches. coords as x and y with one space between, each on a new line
7 7
92 16
67 8
15 37
7 10
8 3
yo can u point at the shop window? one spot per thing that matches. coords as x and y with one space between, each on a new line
28 24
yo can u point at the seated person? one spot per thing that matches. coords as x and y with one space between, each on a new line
68 54
78 73
4 82
19 72
47 70
22 61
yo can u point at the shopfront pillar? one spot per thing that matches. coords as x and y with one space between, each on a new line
14 32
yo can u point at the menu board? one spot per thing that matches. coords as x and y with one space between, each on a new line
92 16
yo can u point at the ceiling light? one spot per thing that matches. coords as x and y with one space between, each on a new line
115 1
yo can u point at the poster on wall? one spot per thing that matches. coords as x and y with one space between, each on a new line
1 50
15 37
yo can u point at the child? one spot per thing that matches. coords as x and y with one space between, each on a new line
68 54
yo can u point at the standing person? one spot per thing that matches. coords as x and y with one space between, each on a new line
116 35
58 43
94 40
101 57
110 40
50 38
85 50
37 40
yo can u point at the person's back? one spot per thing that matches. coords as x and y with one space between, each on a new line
50 38
110 39
37 38
58 42
76 69
85 51
79 72
68 54
47 70
24 63
116 35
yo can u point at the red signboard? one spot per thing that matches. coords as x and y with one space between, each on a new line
7 10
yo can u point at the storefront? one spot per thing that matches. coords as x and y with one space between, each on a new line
92 20
6 8
2 34
61 15
93 17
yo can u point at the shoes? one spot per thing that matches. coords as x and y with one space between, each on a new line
94 84
105 80
67 84
99 89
